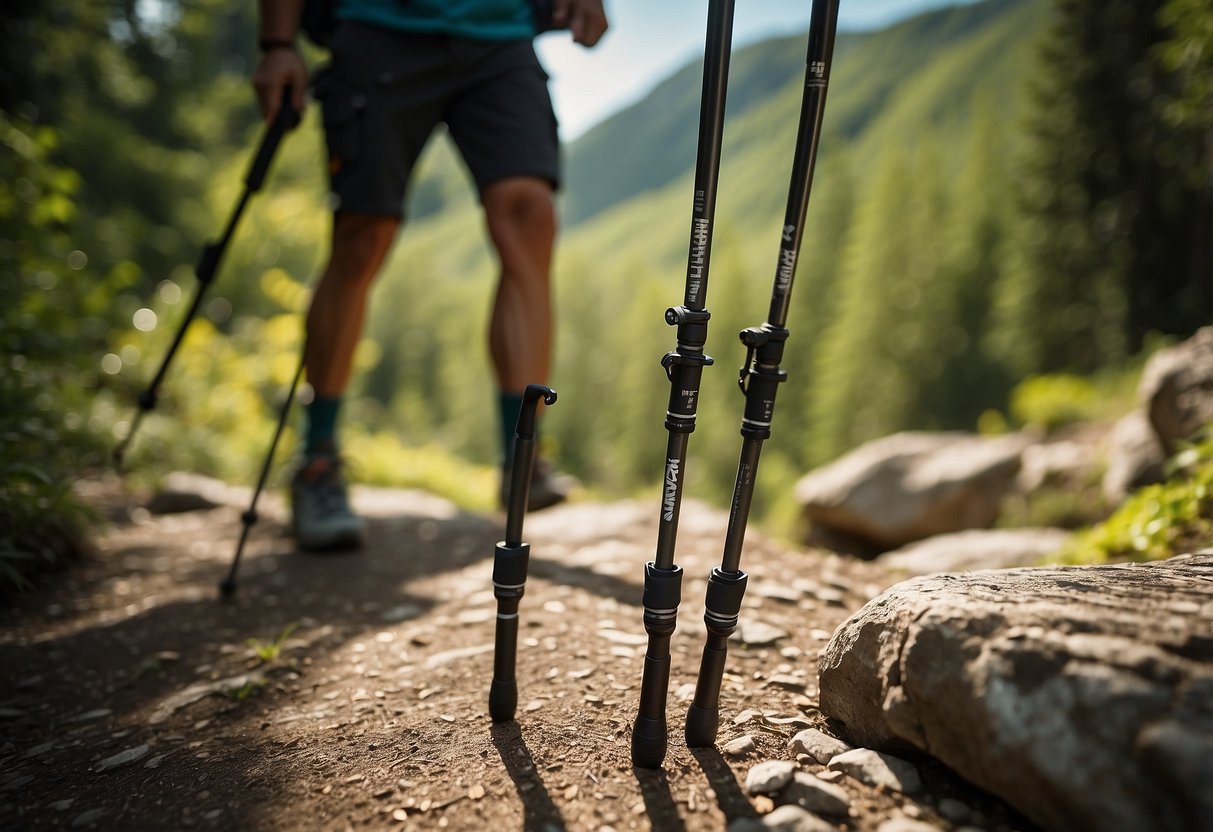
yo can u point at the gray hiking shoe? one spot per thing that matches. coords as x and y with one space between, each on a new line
549 487
320 510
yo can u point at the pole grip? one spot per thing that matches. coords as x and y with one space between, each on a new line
286 120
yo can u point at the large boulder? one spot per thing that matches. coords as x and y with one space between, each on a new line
1082 695
1135 457
976 549
1176 389
908 486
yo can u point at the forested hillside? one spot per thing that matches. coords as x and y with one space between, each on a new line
909 211
1006 188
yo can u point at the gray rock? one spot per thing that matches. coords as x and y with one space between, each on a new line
1176 389
1082 696
769 777
909 486
977 549
807 792
181 492
904 824
87 818
122 758
784 819
757 633
1062 462
954 810
1135 457
740 746
879 770
818 745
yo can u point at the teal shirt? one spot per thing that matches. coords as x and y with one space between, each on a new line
476 19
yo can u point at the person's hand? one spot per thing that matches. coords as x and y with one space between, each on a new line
586 19
279 69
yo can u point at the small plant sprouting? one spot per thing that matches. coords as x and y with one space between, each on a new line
269 651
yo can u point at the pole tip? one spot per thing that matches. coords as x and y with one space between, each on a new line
503 700
227 589
648 742
702 724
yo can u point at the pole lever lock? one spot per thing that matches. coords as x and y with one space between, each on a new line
674 358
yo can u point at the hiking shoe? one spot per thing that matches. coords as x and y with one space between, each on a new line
320 510
548 487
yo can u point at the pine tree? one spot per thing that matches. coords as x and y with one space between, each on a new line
1110 240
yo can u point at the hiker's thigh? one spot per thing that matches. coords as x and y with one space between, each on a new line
501 116
382 95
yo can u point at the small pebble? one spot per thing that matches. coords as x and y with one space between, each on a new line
878 770
740 747
807 792
954 810
770 776
87 818
817 744
904 824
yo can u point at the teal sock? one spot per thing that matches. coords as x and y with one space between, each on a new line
509 404
321 424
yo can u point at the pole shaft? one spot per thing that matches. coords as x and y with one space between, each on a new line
684 368
760 380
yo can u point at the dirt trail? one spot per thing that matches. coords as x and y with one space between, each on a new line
131 698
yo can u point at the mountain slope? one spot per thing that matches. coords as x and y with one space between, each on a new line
651 143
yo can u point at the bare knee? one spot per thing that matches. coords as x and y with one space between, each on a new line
360 244
520 206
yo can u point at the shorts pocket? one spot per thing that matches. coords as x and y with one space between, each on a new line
343 129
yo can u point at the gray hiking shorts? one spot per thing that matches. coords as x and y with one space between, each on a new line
386 91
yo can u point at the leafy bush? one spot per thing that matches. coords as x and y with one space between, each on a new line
1159 521
1053 401
43 437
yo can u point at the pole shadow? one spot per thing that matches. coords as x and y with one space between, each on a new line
539 813
659 800
729 795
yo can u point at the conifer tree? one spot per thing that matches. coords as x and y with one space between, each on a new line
1111 237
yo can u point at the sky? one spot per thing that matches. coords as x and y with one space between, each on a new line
650 39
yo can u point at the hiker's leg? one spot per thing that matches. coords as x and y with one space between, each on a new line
521 220
360 243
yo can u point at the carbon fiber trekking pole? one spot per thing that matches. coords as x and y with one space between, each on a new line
759 380
212 253
684 367
249 517
512 557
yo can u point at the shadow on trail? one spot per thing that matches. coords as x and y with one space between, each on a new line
729 796
121 635
540 813
659 800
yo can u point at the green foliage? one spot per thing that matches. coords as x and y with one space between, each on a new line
1052 401
1116 199
269 651
43 433
925 286
1159 521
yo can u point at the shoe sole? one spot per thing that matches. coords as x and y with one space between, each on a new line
338 541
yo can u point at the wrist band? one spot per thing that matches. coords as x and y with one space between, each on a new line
270 44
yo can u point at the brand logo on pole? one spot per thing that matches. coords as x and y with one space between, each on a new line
671 489
787 268
699 254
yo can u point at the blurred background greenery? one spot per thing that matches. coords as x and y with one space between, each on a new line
1013 203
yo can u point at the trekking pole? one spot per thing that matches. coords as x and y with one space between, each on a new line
512 556
759 380
249 517
684 368
212 253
